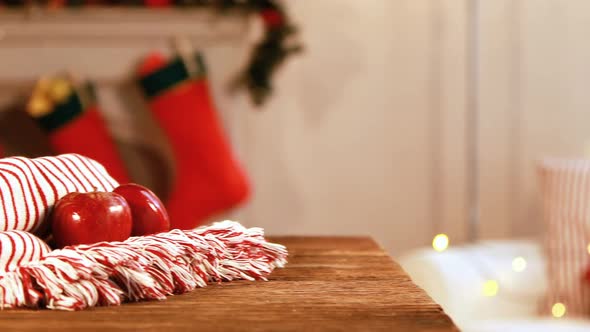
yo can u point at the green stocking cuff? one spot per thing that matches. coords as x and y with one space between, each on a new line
174 73
62 113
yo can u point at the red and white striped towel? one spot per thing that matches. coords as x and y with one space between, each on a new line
141 268
565 188
18 247
30 187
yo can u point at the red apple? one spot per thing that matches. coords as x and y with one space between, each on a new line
84 218
149 214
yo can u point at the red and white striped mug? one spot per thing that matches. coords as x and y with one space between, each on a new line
565 192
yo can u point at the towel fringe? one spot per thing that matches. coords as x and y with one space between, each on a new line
141 268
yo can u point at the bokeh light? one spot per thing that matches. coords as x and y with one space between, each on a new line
519 264
558 310
490 288
440 242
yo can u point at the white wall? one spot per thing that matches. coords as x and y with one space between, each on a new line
366 131
534 85
393 107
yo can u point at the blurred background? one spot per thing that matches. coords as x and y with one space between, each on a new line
397 119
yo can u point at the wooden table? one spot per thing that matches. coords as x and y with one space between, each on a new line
330 283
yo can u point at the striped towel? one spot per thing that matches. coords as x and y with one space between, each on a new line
18 247
565 188
30 187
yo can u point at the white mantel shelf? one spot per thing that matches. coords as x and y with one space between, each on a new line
104 43
111 26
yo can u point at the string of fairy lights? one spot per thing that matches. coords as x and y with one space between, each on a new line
490 287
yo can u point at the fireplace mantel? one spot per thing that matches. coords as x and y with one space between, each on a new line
109 26
103 43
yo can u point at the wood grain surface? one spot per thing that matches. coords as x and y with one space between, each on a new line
330 283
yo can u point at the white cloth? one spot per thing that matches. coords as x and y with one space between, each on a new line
455 279
530 325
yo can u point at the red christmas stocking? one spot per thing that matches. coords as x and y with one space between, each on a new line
74 124
209 180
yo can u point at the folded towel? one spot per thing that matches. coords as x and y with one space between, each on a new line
18 247
141 268
30 187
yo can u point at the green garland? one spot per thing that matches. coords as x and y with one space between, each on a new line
276 46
